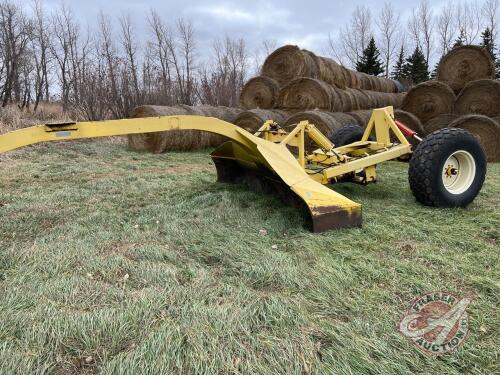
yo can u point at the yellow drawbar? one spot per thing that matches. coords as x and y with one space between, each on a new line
272 160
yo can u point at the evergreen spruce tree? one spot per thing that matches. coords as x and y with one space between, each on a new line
397 72
460 41
416 68
434 72
489 45
370 61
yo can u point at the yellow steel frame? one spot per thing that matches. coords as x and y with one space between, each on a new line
268 147
336 162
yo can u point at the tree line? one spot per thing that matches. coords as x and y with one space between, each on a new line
105 73
410 49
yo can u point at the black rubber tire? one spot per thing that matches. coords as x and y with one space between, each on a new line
427 163
346 135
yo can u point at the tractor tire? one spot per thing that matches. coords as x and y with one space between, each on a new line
346 135
447 169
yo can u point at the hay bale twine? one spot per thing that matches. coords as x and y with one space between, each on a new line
439 122
307 93
485 129
480 97
323 121
288 63
429 99
465 64
259 92
253 119
362 117
160 141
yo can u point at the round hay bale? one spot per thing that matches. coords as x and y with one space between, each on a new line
184 140
376 86
465 64
349 78
331 72
439 122
323 121
227 114
160 141
343 118
259 92
410 120
480 97
361 97
253 119
362 117
364 81
429 99
288 63
357 99
485 129
375 99
308 93
194 139
347 100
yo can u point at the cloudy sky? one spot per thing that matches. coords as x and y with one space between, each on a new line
306 22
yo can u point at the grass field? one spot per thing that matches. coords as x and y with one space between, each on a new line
113 261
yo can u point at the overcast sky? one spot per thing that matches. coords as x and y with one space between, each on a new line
306 23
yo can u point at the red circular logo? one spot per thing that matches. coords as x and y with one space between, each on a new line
437 323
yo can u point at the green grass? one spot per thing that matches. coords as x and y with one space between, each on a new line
113 261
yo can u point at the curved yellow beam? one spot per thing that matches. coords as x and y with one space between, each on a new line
93 129
328 209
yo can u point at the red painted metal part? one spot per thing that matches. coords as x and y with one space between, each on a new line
405 129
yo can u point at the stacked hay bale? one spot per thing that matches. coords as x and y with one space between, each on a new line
253 119
465 95
295 85
175 139
298 80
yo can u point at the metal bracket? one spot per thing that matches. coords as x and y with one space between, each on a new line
58 126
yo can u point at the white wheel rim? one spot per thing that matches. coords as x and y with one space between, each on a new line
459 172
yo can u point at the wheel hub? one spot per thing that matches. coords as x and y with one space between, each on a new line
459 171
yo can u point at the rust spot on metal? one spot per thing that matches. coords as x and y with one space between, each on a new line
334 217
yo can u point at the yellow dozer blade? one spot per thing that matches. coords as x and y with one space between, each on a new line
246 158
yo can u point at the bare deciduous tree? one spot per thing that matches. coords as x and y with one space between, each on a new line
15 33
468 16
446 28
490 13
354 37
388 24
223 85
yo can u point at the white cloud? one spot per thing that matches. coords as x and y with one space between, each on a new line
308 40
226 13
